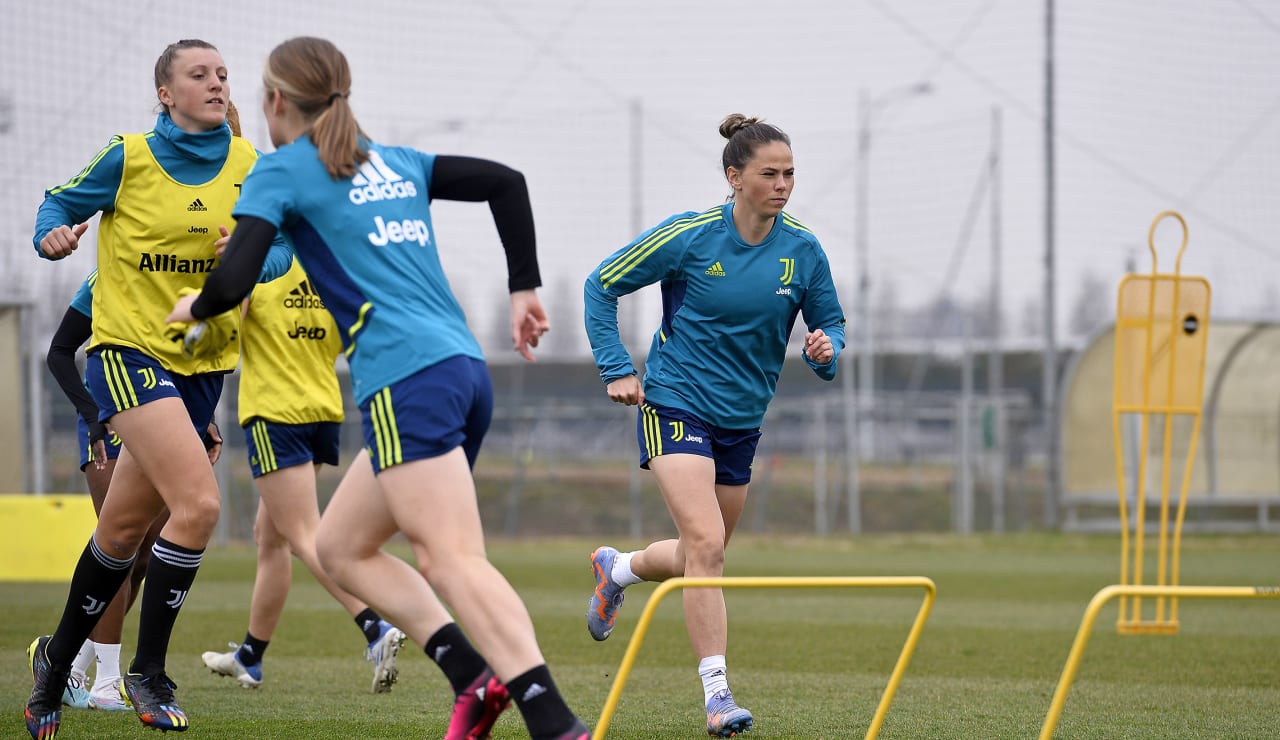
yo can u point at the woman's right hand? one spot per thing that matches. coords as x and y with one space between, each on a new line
626 391
62 240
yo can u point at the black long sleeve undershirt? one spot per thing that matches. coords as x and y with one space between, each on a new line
74 331
472 179
237 273
453 178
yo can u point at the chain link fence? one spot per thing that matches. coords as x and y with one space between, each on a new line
559 462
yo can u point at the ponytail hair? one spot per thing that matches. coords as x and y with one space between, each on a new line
233 118
745 135
314 75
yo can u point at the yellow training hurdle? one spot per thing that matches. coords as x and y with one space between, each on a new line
1110 592
667 586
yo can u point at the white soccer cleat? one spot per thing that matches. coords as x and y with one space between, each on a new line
382 653
227 664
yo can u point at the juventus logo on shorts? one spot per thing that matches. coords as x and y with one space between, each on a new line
178 598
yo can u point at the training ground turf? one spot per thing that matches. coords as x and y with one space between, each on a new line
807 663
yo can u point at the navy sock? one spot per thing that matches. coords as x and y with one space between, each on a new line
369 623
544 711
170 574
251 650
453 652
94 584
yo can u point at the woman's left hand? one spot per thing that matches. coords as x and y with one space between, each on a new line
817 347
220 245
528 322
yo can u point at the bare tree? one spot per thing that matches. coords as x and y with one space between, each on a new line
1094 306
886 315
1031 323
564 310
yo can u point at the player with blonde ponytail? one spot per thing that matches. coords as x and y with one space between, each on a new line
358 214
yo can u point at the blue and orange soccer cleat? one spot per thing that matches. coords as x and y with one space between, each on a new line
608 596
724 717
477 708
44 709
153 700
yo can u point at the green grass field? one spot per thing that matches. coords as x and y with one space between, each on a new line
809 663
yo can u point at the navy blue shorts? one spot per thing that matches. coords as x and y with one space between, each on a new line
120 378
273 446
447 405
112 442
662 430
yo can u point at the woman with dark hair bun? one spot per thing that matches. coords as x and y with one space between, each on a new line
734 278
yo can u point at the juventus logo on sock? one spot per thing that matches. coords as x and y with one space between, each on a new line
93 606
178 598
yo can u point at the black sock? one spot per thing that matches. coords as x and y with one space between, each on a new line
370 624
251 650
453 652
94 584
544 711
170 574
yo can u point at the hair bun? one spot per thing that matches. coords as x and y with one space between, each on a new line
735 122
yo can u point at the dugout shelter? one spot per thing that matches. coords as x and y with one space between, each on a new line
1235 478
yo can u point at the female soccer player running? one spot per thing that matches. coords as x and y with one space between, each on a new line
734 278
163 195
99 449
290 408
358 215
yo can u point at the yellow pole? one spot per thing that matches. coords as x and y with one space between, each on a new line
669 585
1182 514
1091 615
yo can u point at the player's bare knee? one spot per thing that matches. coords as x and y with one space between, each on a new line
198 514
331 553
704 556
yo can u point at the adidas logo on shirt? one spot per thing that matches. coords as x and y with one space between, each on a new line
534 691
375 181
715 270
303 297
197 205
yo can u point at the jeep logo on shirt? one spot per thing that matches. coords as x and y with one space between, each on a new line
395 232
307 332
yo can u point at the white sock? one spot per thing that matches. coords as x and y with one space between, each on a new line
715 677
108 670
621 572
84 658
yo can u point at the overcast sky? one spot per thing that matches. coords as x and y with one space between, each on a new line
1160 105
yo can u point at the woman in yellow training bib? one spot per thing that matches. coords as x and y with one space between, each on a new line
290 407
165 195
